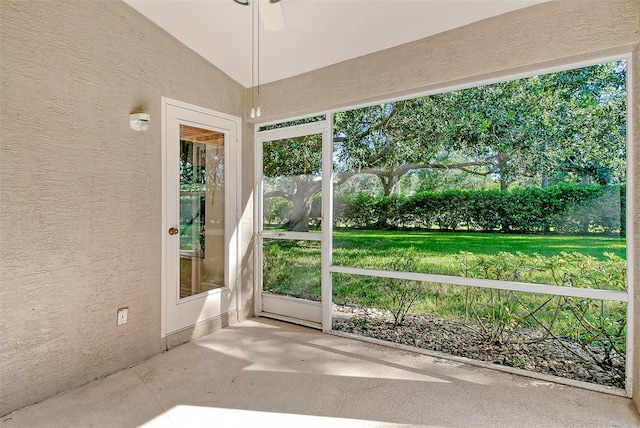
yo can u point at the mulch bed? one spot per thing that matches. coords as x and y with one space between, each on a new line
555 357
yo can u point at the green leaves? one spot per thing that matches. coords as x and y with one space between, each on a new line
598 326
530 127
560 128
559 209
293 156
567 269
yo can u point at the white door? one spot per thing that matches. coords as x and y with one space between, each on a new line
200 227
293 251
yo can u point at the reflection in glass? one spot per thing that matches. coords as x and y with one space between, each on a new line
292 183
202 249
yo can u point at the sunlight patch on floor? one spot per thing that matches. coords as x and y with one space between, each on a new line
196 416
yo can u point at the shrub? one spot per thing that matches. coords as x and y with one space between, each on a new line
486 210
593 210
561 209
499 312
277 210
420 210
356 211
452 209
399 295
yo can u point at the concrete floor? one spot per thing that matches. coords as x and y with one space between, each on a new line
267 373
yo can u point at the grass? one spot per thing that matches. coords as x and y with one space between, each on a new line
299 275
445 244
437 251
293 268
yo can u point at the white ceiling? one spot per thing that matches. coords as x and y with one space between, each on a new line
317 33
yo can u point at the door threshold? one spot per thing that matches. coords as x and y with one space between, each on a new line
291 320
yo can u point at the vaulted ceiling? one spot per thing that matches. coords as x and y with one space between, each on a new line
317 33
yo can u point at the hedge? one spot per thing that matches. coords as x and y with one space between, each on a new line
561 209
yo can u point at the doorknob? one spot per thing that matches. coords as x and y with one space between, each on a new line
173 231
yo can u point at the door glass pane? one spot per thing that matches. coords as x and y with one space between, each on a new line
292 268
202 249
292 184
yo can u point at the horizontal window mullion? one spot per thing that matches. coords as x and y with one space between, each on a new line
298 236
587 293
291 132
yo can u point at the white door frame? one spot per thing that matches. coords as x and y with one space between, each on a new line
178 314
300 311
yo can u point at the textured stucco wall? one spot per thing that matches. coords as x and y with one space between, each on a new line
80 192
548 35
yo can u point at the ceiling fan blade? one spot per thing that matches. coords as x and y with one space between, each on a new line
271 15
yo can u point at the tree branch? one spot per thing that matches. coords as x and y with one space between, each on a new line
461 165
276 193
470 171
381 126
397 173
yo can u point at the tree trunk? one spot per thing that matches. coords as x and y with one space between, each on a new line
545 182
302 199
502 171
545 185
387 184
300 213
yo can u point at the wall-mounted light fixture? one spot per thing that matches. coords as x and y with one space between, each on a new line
139 121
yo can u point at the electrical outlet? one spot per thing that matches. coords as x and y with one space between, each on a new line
123 315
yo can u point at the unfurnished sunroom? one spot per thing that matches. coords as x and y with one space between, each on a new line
97 218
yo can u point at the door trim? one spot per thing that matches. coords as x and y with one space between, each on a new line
234 185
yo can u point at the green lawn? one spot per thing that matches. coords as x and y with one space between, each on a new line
293 267
437 251
447 243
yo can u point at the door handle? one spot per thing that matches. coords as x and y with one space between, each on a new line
173 231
